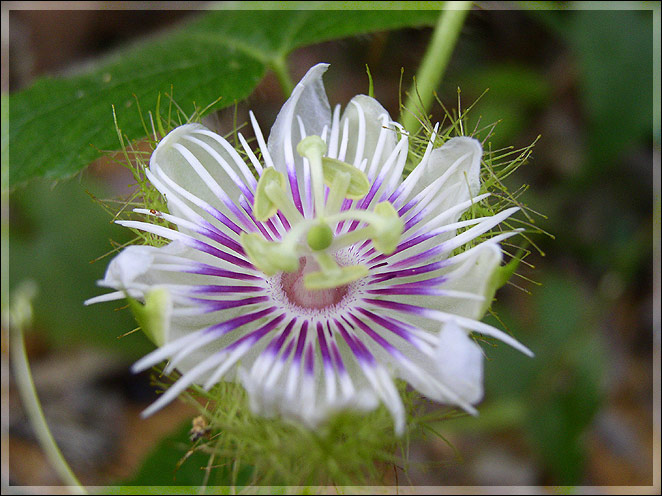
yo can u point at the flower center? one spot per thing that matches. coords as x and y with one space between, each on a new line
294 257
294 288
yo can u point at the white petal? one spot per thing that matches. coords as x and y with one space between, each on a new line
475 275
464 182
132 263
371 133
309 102
133 266
459 362
204 164
276 387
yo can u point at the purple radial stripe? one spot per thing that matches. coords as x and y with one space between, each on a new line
424 255
355 345
288 350
337 358
354 224
429 253
377 266
238 213
214 234
377 338
326 358
432 281
255 336
414 271
346 205
365 202
405 245
371 251
222 218
396 328
249 209
223 328
309 364
415 219
401 307
209 270
301 341
365 245
204 247
396 194
408 206
426 282
437 315
283 219
414 201
417 290
294 186
277 342
272 227
215 305
215 288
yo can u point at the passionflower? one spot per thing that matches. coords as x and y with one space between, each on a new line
312 272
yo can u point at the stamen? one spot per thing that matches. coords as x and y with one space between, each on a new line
385 228
269 257
270 196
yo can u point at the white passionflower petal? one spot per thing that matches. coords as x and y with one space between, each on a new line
376 137
460 363
204 164
305 113
321 279
451 177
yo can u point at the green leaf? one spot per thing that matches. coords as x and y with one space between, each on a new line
223 53
614 52
55 233
618 93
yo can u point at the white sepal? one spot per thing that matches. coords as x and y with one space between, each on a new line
459 363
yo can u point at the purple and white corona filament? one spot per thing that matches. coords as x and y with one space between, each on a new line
316 275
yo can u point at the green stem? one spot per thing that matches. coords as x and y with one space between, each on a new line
279 66
35 413
436 58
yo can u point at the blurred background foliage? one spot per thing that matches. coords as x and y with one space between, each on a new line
581 412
